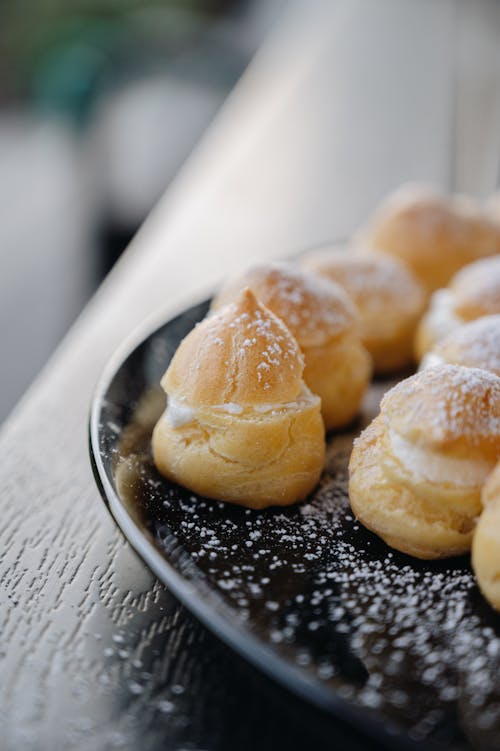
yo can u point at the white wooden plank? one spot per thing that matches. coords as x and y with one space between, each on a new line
477 149
349 99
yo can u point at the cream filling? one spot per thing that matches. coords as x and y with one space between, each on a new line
263 408
231 408
178 413
431 466
441 317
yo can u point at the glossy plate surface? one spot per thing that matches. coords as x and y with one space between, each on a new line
406 650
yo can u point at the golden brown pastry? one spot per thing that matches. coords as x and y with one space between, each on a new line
325 323
472 293
389 299
475 345
434 235
240 424
416 472
486 542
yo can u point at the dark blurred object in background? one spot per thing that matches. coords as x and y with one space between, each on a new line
65 49
100 104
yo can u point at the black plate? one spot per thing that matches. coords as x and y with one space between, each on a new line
405 650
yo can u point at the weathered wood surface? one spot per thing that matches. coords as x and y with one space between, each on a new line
345 101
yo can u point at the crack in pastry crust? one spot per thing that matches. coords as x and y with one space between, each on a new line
278 460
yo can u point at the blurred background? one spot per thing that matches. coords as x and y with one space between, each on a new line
101 102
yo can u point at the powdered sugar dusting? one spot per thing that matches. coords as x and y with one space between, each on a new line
315 310
446 403
254 330
440 318
475 345
478 285
375 282
408 642
260 349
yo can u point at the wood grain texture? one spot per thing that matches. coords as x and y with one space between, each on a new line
344 102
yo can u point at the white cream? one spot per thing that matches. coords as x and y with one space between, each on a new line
178 413
231 408
430 360
441 317
305 396
432 466
263 408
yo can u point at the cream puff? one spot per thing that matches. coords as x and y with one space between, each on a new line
325 323
389 299
417 471
432 234
486 542
472 293
240 425
475 345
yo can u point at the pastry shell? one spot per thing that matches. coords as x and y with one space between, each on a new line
432 234
486 542
389 299
473 292
474 345
325 323
240 424
424 498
